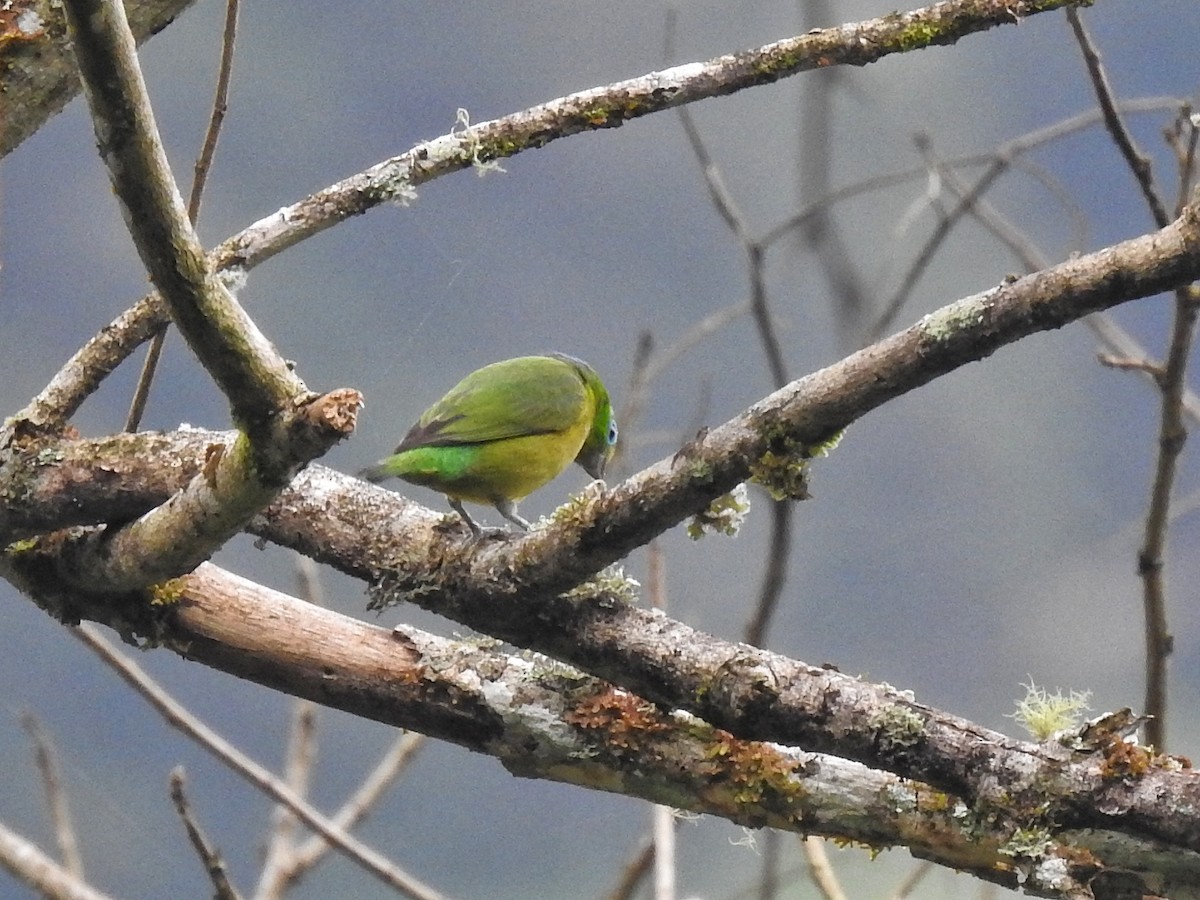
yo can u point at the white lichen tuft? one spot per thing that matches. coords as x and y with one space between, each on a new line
724 515
1043 714
462 128
234 278
610 584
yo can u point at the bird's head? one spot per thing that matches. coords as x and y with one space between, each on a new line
601 441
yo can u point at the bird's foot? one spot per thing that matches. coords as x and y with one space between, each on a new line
487 533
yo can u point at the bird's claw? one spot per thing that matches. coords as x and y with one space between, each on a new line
488 533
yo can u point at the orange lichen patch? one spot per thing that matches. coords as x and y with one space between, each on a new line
1125 760
1079 859
625 719
20 21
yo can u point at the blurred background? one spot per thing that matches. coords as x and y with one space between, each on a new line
967 538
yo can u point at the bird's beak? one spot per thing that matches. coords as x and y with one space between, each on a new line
594 463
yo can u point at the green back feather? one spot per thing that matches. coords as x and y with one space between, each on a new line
512 398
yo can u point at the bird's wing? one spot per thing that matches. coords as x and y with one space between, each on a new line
532 395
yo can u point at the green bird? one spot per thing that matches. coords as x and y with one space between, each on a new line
504 431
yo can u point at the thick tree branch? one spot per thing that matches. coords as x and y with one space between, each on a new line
543 720
283 428
230 488
257 381
37 71
800 415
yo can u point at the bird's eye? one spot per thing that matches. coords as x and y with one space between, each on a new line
612 432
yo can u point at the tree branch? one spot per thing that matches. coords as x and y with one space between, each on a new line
396 179
37 71
40 872
175 713
252 375
512 590
543 720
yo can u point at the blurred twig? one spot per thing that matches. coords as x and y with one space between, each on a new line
214 864
933 243
1139 163
820 870
1181 137
657 850
662 818
1123 350
285 862
1171 383
279 862
179 717
820 233
390 766
780 543
779 546
56 796
279 866
635 871
29 864
910 882
768 870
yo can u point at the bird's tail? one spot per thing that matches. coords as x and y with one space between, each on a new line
375 473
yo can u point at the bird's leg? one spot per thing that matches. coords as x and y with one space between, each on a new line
508 509
457 506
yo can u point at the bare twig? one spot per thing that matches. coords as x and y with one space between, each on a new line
220 106
820 233
1124 346
359 805
1124 350
912 880
286 864
780 544
1172 434
1171 383
56 796
1139 163
932 244
650 364
179 717
1182 137
610 106
768 869
635 871
774 577
279 861
665 862
662 819
214 863
203 165
1011 151
29 864
820 870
